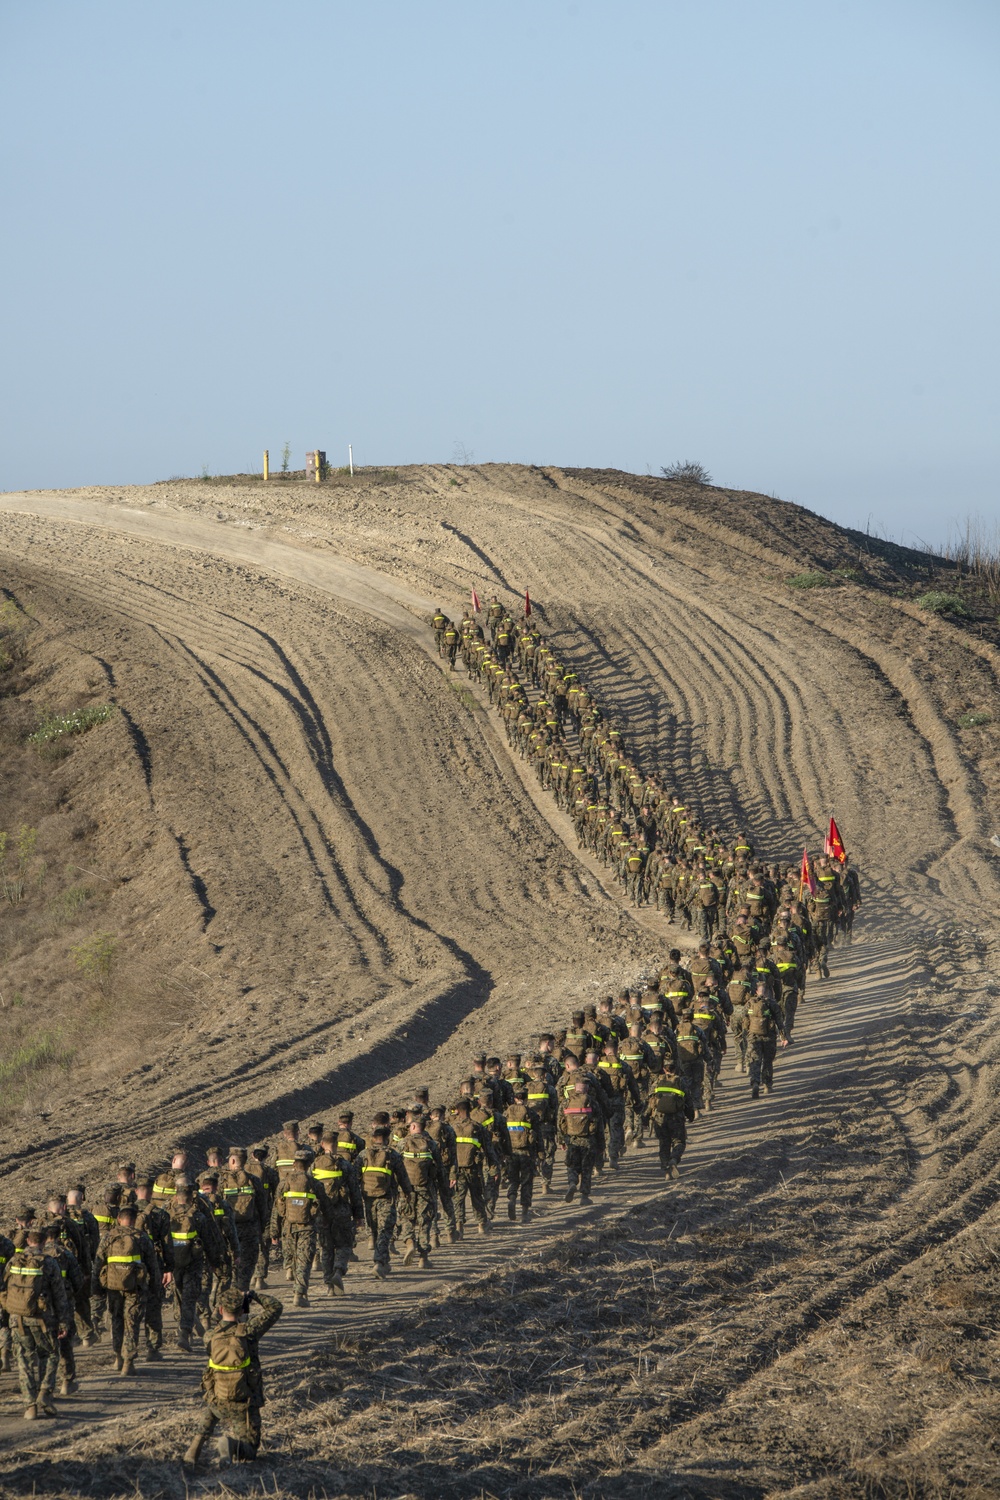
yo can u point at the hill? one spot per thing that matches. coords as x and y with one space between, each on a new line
318 876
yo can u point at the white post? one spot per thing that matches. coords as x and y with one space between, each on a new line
350 458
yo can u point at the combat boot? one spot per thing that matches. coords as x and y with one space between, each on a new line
570 1195
184 1342
226 1448
44 1405
586 1198
5 1361
425 1263
67 1387
194 1451
289 1276
153 1353
381 1271
30 1413
454 1236
547 1187
484 1228
128 1366
512 1213
526 1214
300 1300
337 1284
436 1240
409 1253
119 1362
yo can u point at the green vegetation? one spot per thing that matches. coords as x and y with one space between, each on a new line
812 581
286 454
14 874
21 1062
463 695
57 727
97 960
974 720
850 575
940 603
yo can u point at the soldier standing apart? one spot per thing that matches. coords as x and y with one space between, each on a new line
232 1384
128 1270
35 1300
293 1224
577 1130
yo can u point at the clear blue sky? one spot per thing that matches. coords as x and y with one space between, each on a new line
760 235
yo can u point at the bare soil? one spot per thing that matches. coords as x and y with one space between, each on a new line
327 881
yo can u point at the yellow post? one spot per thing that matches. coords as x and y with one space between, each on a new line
267 469
317 467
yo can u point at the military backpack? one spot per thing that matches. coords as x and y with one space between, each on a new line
228 1377
24 1294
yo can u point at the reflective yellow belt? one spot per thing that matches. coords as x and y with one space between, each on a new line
229 1368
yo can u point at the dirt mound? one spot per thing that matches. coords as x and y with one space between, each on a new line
294 807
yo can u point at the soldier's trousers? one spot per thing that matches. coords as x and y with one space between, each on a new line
705 918
694 1077
671 1137
153 1317
789 1005
418 1218
822 933
491 1188
634 1119
580 1165
298 1246
337 1241
446 1206
241 1419
380 1216
248 1236
469 1184
616 1129
762 1050
547 1155
37 1353
187 1290
125 1311
740 1041
520 1178
67 1359
263 1265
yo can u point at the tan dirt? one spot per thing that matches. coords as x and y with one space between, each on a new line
297 808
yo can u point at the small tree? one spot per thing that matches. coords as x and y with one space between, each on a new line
286 454
689 470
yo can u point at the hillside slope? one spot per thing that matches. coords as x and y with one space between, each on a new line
296 803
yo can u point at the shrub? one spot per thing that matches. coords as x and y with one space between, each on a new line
974 720
56 727
694 473
13 878
97 958
812 581
940 603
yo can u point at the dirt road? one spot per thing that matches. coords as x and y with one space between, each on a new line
339 841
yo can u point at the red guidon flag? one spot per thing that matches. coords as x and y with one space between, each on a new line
527 603
834 846
476 606
806 880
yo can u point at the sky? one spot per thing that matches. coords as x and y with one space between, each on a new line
762 236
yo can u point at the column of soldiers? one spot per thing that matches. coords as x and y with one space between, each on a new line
624 1073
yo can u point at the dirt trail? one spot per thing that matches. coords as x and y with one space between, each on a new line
373 886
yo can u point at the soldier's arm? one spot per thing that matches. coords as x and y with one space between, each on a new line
56 1288
353 1179
275 1225
403 1181
149 1259
270 1311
